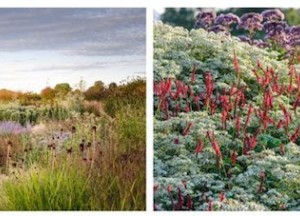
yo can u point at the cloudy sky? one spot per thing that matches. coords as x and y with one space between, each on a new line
43 47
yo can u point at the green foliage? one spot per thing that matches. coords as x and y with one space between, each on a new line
179 17
96 92
63 188
62 89
131 94
177 50
48 94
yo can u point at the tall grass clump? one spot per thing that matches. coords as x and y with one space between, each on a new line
119 180
63 188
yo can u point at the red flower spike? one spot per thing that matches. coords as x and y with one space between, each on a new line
296 103
187 108
214 144
295 135
233 157
236 65
282 149
291 74
237 125
190 204
222 196
196 100
199 147
193 77
180 199
252 142
249 113
268 100
210 205
209 86
262 175
187 129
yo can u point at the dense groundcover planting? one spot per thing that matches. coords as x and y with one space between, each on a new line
226 126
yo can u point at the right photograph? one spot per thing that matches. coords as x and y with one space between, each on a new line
226 109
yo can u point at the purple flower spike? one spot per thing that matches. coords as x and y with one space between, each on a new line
273 15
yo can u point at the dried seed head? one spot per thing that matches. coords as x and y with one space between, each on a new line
73 129
25 150
70 150
9 143
81 147
89 144
94 128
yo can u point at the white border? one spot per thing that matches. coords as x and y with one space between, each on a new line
150 4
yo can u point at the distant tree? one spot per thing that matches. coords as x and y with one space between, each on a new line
112 86
96 92
29 98
8 95
48 94
62 89
184 17
292 16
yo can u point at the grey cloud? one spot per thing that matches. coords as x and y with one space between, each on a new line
117 31
96 65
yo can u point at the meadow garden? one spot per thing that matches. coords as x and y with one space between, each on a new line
73 149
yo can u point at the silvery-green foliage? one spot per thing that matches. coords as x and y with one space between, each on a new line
176 51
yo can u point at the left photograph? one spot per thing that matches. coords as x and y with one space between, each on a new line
72 109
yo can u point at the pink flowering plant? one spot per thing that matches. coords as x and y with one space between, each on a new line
226 127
